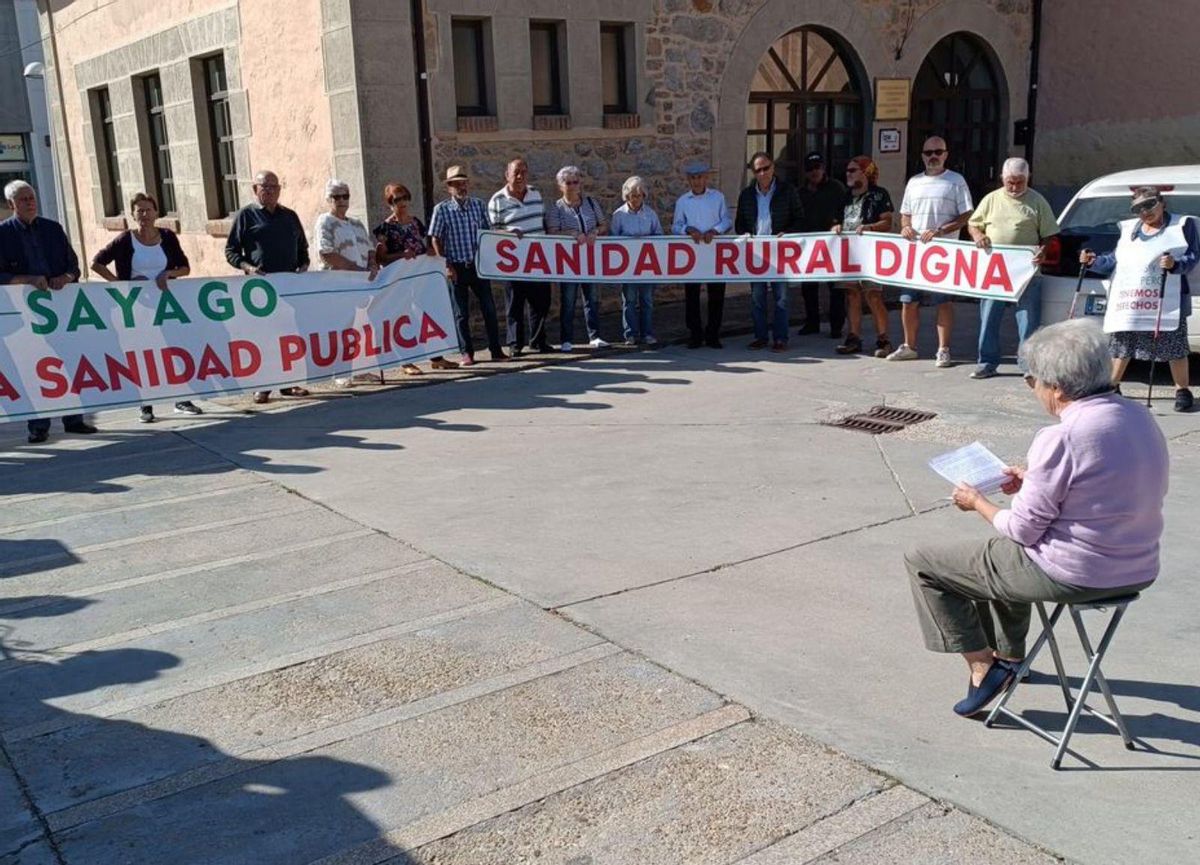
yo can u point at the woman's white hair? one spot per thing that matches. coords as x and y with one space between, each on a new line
13 188
566 172
1072 356
1015 167
631 184
334 185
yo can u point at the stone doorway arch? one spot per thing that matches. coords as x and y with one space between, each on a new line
959 93
807 95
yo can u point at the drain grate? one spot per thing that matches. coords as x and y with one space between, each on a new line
882 419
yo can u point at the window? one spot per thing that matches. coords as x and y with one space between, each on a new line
614 69
216 91
106 152
161 179
546 68
470 79
806 97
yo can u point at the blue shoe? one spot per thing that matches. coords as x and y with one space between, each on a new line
997 676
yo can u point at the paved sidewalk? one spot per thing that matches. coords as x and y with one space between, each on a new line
631 607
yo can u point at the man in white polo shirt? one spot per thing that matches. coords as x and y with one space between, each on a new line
937 203
518 208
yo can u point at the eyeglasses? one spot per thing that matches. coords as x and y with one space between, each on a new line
1144 206
851 171
937 151
340 196
570 183
399 199
763 169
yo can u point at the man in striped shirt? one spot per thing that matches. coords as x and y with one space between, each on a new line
454 230
518 208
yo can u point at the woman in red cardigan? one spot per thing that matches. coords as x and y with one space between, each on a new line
146 252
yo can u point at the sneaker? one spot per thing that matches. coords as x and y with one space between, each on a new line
82 428
651 341
598 343
808 328
631 342
757 344
883 347
147 414
566 348
852 345
904 352
983 371
38 436
344 383
466 360
943 359
1183 399
187 407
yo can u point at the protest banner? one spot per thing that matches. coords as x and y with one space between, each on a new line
96 346
946 266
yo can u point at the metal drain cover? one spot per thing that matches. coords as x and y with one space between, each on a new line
882 419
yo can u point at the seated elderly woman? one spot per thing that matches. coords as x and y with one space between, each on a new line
1084 523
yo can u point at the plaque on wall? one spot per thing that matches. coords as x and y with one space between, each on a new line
892 98
12 148
889 140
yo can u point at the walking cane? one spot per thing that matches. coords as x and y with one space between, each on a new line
1078 287
1162 294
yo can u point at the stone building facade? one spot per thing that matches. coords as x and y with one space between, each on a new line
213 90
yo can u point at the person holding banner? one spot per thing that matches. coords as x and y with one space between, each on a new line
35 251
937 203
1142 299
822 198
267 237
1014 215
148 253
868 207
402 235
768 206
635 219
454 231
344 244
517 207
702 214
578 216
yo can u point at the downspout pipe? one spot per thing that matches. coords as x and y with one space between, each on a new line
424 125
1035 50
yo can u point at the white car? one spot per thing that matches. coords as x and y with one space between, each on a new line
1090 220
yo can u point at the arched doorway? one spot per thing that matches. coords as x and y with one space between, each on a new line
806 96
957 94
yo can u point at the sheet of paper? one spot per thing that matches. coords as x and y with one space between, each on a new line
974 465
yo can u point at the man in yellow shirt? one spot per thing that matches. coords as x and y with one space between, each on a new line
1015 215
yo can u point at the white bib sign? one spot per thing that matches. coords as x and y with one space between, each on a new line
1134 290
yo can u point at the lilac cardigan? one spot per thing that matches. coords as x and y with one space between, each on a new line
1089 512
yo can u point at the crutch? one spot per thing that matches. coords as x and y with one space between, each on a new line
1078 288
1162 294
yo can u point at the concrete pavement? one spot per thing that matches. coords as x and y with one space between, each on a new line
612 610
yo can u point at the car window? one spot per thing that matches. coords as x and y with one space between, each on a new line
1101 215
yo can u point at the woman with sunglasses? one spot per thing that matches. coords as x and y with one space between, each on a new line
868 207
1084 523
402 235
1154 242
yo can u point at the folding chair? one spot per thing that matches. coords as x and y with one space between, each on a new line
1075 704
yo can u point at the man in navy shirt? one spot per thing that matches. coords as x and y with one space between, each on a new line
35 251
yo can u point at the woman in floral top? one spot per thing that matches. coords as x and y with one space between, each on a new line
402 235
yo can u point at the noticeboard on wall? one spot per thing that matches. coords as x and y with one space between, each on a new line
892 98
12 148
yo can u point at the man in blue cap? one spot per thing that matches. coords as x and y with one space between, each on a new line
701 214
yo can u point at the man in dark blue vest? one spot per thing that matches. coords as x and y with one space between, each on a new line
35 251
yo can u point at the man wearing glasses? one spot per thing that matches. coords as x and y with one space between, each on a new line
937 203
768 206
267 237
454 230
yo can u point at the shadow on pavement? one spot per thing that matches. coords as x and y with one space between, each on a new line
262 811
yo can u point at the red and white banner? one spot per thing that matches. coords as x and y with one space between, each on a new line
947 266
95 346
